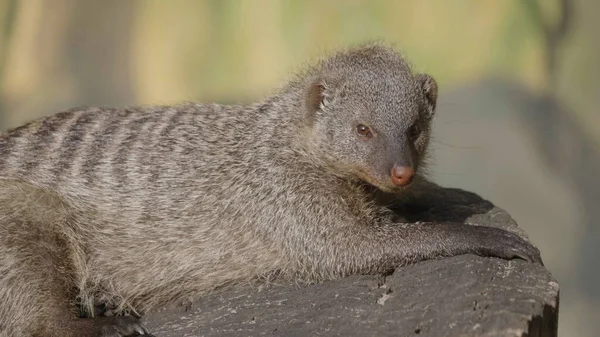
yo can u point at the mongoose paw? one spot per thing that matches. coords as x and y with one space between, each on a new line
119 326
504 244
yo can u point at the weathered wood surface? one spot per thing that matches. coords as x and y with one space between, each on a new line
460 296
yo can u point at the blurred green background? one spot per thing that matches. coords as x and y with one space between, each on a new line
517 121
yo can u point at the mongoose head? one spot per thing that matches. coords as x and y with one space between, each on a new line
370 115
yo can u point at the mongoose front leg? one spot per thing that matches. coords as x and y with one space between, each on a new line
432 240
382 248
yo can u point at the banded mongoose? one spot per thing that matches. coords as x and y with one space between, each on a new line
142 206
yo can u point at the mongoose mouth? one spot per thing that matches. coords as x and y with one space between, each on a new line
397 182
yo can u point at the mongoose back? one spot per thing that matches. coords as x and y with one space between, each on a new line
142 206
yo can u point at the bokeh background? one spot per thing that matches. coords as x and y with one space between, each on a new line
518 117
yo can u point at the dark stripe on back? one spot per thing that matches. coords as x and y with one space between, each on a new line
71 142
4 148
7 144
42 138
38 142
97 149
159 133
163 140
119 162
28 156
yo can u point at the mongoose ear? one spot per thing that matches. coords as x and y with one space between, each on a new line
317 95
430 89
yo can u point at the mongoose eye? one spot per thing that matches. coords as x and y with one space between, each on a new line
364 131
414 131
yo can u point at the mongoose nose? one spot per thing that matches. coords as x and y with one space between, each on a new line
402 175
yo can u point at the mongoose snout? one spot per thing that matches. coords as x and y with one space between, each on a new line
402 175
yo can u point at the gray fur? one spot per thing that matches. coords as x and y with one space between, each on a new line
143 206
